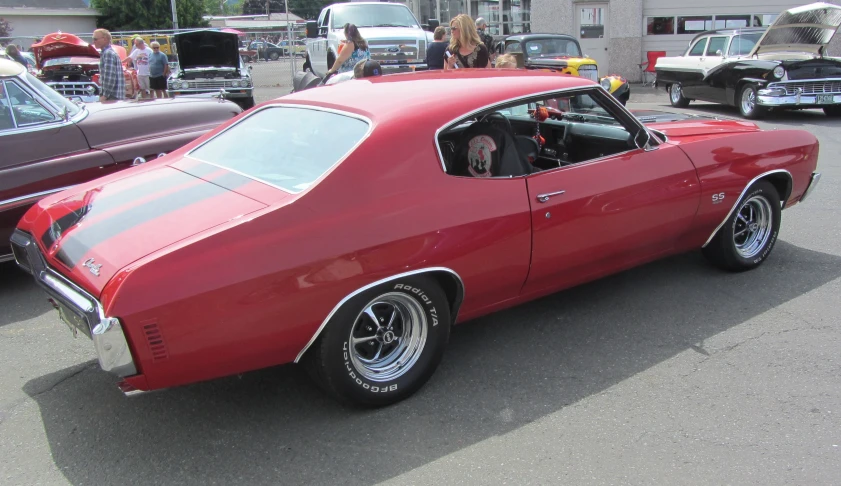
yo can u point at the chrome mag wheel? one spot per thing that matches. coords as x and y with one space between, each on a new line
753 226
674 93
748 100
387 337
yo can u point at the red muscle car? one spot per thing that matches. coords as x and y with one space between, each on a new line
48 143
377 225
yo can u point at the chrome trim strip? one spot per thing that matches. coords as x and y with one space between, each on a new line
813 182
745 190
374 284
7 258
292 105
21 200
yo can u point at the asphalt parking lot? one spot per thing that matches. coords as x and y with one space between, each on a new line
671 373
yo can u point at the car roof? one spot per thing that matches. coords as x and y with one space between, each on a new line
547 35
436 97
10 68
742 30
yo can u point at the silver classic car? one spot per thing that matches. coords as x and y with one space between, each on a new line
209 62
756 69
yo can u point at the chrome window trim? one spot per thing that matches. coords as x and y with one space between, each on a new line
380 282
745 190
21 200
291 105
35 98
584 89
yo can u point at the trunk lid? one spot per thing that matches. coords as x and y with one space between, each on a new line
807 28
92 234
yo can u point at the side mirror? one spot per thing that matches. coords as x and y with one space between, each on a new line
719 53
433 24
641 139
312 29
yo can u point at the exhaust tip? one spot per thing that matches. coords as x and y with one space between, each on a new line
128 390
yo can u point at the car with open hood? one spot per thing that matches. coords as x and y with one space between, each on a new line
561 53
380 225
70 66
50 143
209 61
755 69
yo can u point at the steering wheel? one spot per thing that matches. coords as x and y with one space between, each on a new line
497 117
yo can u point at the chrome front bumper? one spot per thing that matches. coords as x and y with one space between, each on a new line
77 308
813 182
795 100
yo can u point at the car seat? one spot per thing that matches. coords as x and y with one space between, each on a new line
486 150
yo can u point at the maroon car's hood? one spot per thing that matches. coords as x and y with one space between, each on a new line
93 233
59 44
66 61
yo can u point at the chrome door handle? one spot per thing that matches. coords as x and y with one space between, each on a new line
545 197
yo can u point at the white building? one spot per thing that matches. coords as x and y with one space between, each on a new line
618 34
31 19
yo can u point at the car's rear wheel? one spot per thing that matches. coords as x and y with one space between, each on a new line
383 344
832 111
676 96
748 236
274 56
748 106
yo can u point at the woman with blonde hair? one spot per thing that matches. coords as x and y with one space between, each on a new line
352 50
466 48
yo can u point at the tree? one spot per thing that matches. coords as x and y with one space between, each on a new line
120 15
5 28
307 9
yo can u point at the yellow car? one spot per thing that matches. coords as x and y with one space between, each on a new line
561 53
127 41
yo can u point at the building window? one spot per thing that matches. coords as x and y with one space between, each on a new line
731 21
694 25
764 20
660 25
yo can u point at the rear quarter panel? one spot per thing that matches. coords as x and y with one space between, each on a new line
254 294
727 164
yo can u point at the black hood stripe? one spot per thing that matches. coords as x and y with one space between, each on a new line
200 170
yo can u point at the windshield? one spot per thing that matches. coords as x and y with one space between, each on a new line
380 15
52 95
742 44
313 141
552 48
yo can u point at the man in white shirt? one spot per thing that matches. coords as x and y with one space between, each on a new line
140 57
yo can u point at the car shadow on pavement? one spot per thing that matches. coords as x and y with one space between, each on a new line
500 373
17 300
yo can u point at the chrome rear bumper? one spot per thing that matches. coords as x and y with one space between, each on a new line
78 309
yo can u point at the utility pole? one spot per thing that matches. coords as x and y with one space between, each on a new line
268 12
290 46
174 16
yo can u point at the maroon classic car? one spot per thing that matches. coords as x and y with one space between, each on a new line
381 224
48 143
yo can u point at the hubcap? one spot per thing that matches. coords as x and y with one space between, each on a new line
752 227
675 92
388 337
748 100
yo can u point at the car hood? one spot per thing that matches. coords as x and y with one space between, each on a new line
812 69
676 125
94 232
379 33
62 45
807 28
207 48
65 61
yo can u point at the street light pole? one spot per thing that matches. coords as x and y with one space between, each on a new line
290 47
174 16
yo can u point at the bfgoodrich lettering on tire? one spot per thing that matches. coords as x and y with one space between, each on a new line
384 343
748 236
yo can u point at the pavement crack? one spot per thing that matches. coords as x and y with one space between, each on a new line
51 386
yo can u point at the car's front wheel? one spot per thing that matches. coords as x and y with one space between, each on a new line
274 56
676 96
383 344
748 236
307 65
748 106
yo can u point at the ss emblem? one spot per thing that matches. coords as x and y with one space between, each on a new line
717 198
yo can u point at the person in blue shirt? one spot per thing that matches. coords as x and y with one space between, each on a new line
436 49
354 49
158 70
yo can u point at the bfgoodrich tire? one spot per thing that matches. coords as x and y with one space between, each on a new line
748 236
384 344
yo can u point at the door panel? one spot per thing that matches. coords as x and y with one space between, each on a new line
593 33
692 76
613 213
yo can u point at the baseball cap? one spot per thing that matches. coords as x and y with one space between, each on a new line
371 68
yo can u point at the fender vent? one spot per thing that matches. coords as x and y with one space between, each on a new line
155 339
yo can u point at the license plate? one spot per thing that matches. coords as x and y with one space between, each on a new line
72 320
824 99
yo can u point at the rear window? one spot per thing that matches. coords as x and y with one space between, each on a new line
286 147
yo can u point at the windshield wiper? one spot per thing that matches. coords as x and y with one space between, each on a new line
392 25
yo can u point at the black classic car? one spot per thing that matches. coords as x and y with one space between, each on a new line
784 66
209 61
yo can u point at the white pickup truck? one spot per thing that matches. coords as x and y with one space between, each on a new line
395 37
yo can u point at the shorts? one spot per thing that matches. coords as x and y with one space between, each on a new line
157 82
143 82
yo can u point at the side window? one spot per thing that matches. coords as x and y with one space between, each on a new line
535 135
513 47
25 109
716 44
325 22
698 48
6 120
